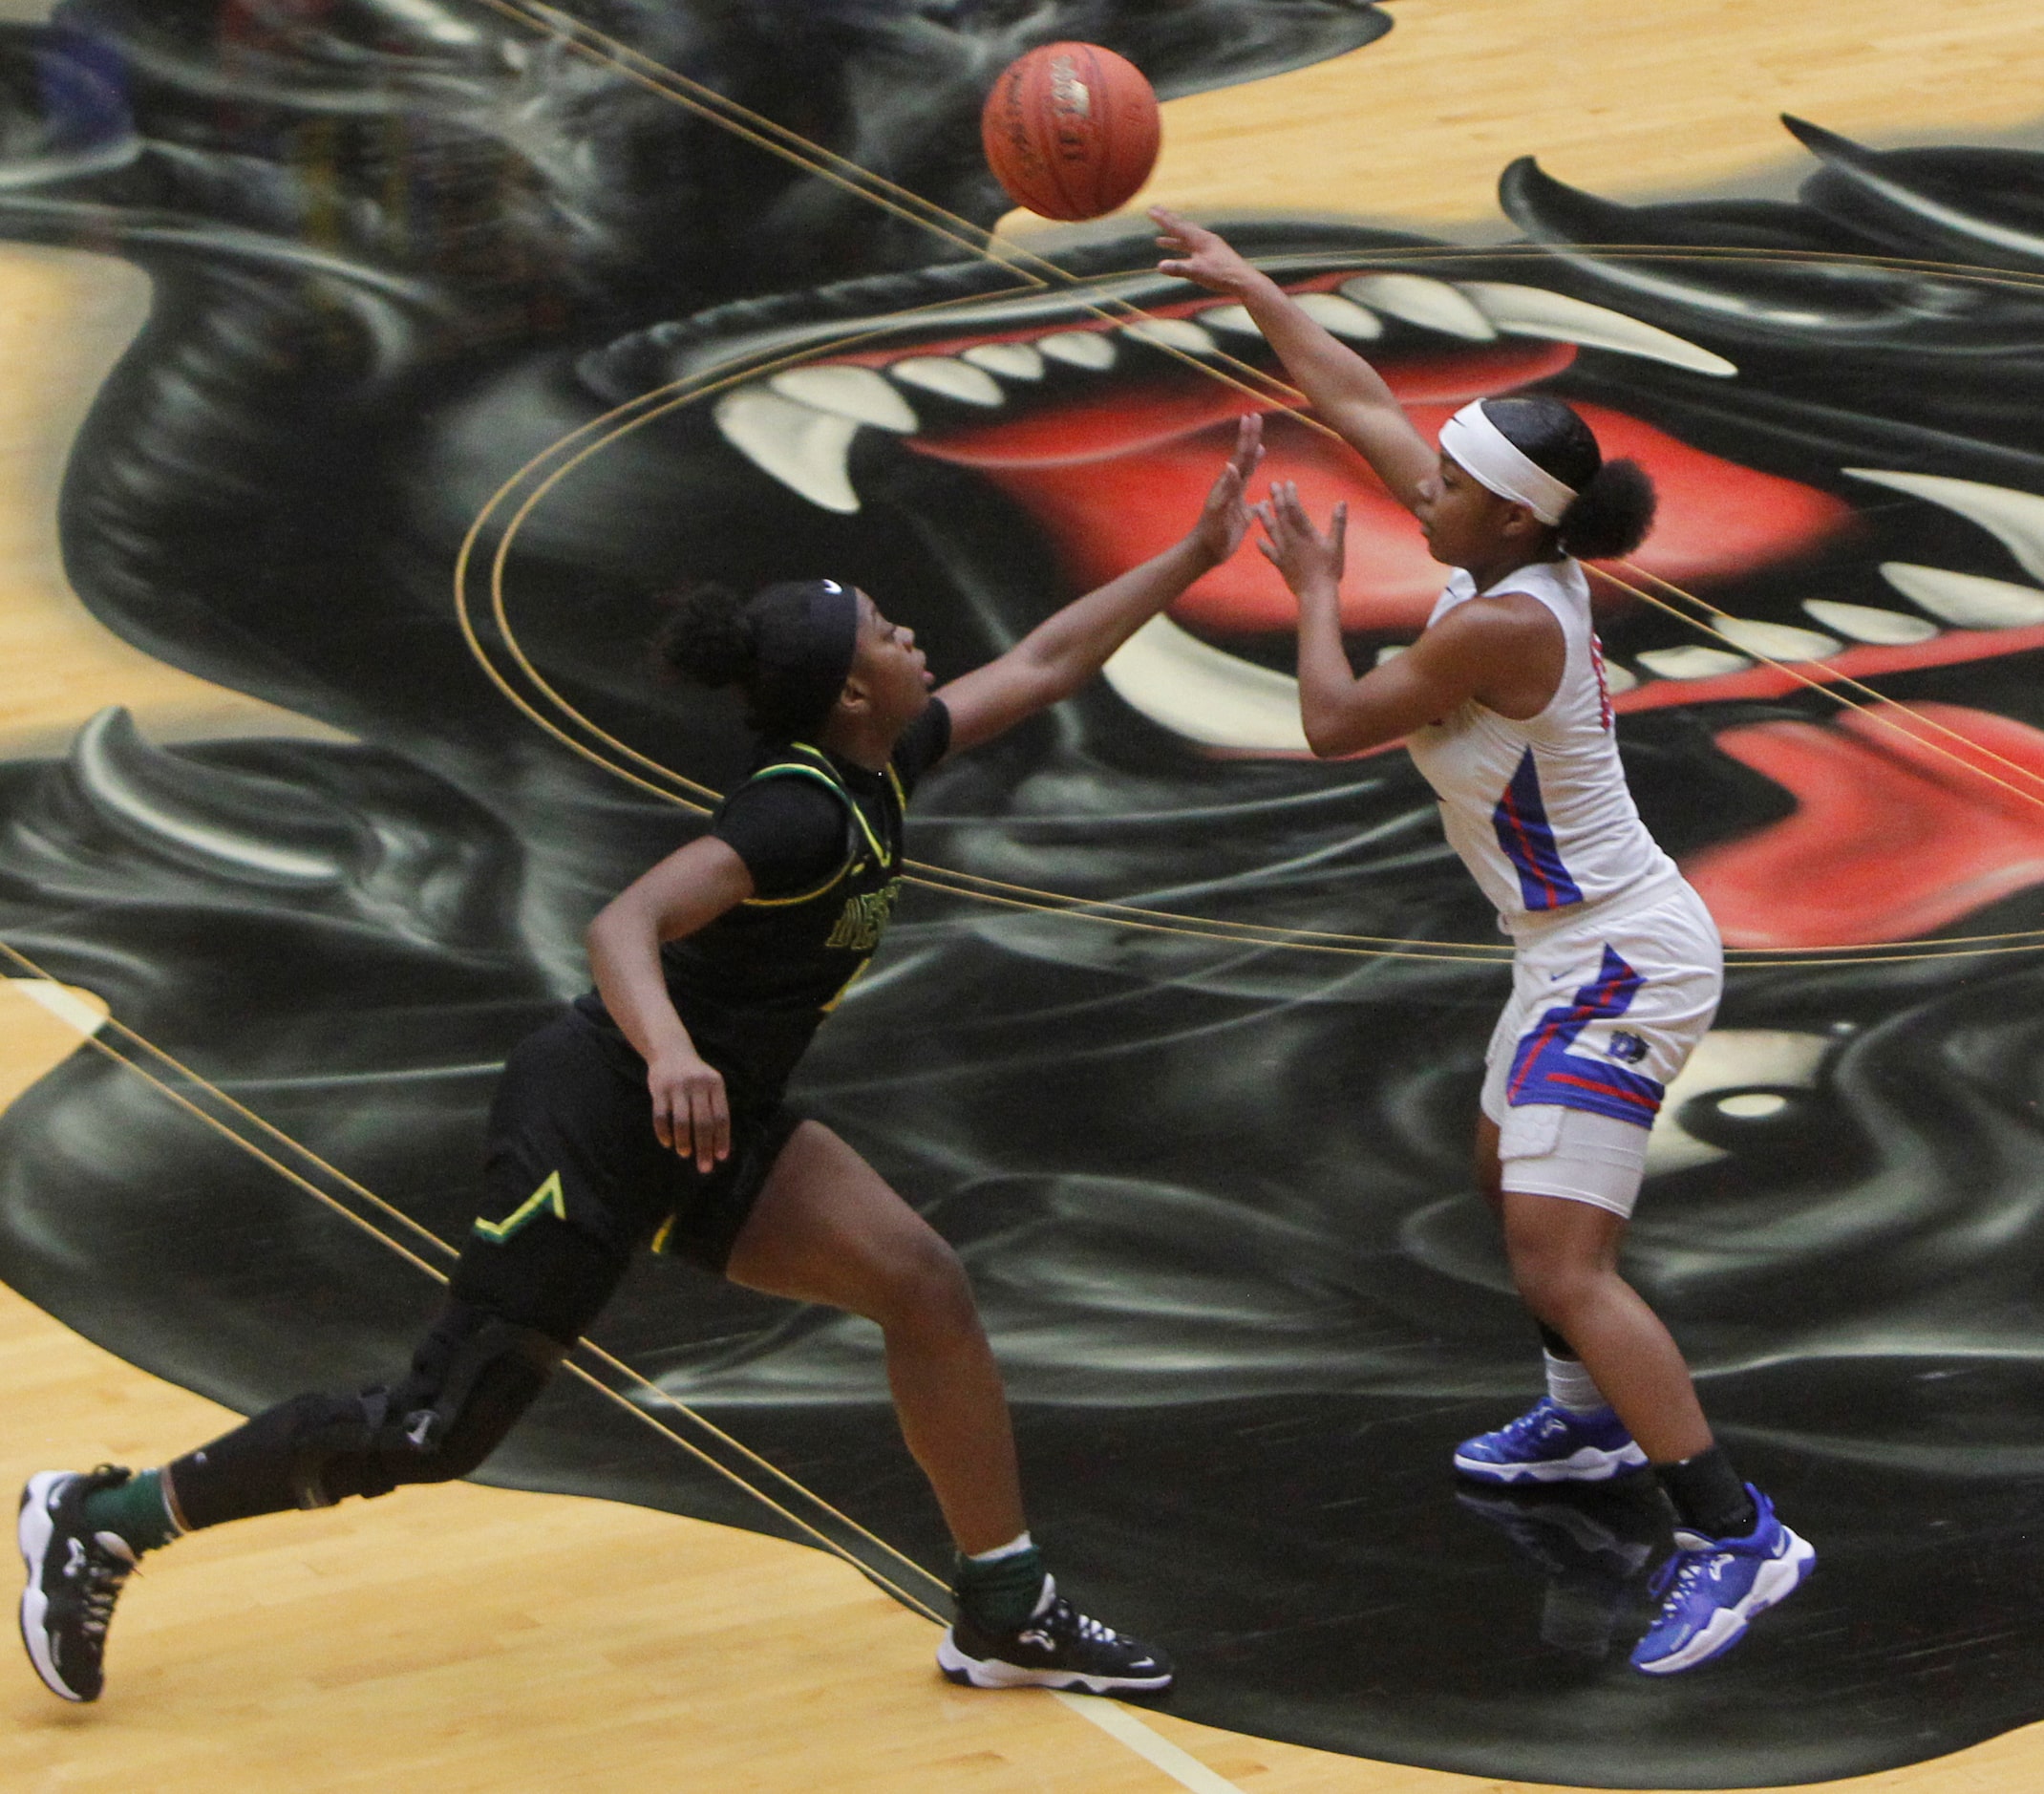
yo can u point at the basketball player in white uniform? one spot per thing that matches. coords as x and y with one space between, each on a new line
1504 705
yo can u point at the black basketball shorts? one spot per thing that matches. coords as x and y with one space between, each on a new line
571 1136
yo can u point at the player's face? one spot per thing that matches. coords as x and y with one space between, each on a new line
1465 524
889 665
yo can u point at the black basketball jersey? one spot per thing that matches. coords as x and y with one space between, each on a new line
753 986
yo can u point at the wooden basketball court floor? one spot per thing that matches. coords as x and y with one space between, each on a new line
470 1637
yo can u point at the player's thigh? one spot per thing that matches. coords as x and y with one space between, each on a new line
827 1227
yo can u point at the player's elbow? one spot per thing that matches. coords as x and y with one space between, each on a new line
1330 731
611 925
597 935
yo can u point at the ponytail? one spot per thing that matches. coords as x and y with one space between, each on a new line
1614 503
1611 514
788 648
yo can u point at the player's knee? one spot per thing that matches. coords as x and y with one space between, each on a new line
1544 1270
928 1289
470 1381
1553 1285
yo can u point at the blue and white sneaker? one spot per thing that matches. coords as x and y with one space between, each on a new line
1550 1444
1711 1588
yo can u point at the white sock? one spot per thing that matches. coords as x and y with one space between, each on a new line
1573 1387
1014 1548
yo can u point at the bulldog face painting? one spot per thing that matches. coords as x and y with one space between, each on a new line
1210 1174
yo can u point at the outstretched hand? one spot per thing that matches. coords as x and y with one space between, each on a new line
1311 562
1226 518
1198 254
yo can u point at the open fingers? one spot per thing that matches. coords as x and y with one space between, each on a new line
1248 442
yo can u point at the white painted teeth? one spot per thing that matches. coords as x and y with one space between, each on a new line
1431 304
1205 696
1691 663
1966 601
1864 623
797 425
952 379
1775 641
2014 519
1081 349
1390 651
1179 334
1341 317
1234 319
1478 311
1534 312
1011 361
858 394
806 450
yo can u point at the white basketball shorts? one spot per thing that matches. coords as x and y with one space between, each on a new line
1604 1010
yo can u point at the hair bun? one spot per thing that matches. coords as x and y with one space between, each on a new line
709 638
1612 512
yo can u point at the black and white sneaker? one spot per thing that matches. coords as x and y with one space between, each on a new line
74 1579
1058 1648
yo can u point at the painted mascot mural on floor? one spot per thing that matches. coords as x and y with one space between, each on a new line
1211 1179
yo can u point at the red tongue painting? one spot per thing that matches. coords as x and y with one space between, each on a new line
1117 478
1905 822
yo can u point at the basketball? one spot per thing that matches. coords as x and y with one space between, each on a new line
1070 130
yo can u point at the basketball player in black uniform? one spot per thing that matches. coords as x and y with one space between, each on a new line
650 1113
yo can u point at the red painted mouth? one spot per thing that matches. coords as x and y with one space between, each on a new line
1119 478
1895 836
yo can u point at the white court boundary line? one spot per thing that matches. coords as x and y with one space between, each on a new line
1152 1747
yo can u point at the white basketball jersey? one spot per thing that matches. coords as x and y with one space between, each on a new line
1539 809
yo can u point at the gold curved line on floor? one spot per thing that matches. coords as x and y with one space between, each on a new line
590 439
364 1224
814 158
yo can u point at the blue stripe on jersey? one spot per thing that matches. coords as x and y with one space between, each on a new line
1521 819
1544 1069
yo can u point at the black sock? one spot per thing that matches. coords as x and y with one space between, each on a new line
1708 1496
1554 1342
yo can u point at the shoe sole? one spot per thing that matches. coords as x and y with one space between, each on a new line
992 1672
1779 1578
33 1530
1588 1466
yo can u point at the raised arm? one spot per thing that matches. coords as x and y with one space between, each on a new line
686 891
1505 652
1349 394
1071 645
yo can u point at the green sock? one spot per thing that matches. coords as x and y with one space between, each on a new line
133 1510
1001 1595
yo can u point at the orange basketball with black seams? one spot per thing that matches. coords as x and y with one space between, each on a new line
1070 130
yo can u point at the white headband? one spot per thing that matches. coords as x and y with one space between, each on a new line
1493 459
